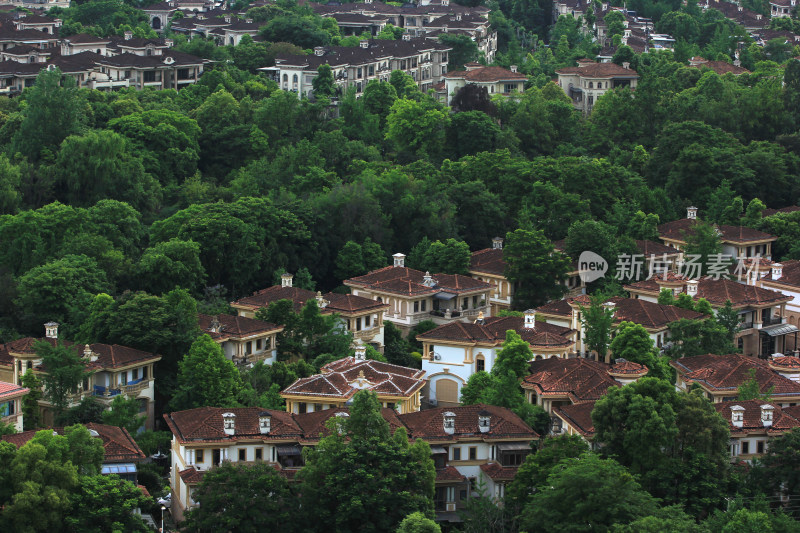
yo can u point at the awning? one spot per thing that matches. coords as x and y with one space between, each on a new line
435 450
444 296
514 447
118 468
779 329
288 450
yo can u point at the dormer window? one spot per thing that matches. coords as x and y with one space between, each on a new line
264 422
229 423
484 421
449 422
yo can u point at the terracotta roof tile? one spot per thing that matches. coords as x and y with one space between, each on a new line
488 261
578 379
206 424
503 424
9 390
409 282
487 74
449 473
719 291
118 445
679 229
264 297
493 331
191 475
347 303
723 373
782 420
498 472
579 416
235 326
600 70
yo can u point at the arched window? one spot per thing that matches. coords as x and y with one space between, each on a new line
480 363
591 86
285 77
294 78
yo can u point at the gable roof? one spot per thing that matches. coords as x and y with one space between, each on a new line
493 332
233 326
428 424
341 379
579 379
205 424
264 297
486 75
718 291
118 445
579 416
782 421
725 373
488 261
410 282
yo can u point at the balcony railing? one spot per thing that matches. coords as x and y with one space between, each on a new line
772 320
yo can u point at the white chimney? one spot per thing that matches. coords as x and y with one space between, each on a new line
264 422
691 287
484 421
360 352
128 35
691 212
626 65
215 326
449 422
427 280
611 306
51 330
89 354
766 415
319 51
364 44
445 2
513 68
286 280
737 416
406 36
777 271
322 303
399 260
530 319
229 423
497 243
168 43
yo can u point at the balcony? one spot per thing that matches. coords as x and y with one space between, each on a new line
773 320
365 334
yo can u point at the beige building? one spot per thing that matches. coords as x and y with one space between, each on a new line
587 82
245 341
753 423
495 80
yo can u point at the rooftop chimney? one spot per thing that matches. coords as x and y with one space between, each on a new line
777 271
229 423
445 2
322 303
497 243
128 35
319 51
513 68
228 19
360 352
737 416
691 212
427 280
626 65
399 260
484 421
364 44
530 319
611 306
406 36
766 415
286 279
264 422
89 354
449 422
691 287
51 330
168 43
215 327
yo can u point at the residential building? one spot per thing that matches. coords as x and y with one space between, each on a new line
11 404
575 419
751 20
414 296
782 8
362 317
496 80
82 42
353 67
488 265
397 387
753 423
557 382
587 82
763 328
160 14
453 352
121 454
785 278
470 443
720 67
245 341
719 376
737 241
114 370
652 316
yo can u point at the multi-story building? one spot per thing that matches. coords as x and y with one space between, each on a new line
782 8
397 387
719 376
11 404
488 265
245 341
753 423
587 82
414 296
763 328
468 444
353 67
496 80
785 278
362 317
652 316
453 352
114 370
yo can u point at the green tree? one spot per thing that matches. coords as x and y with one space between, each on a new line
417 128
171 264
106 503
124 413
206 378
360 478
464 49
587 493
632 343
246 498
697 337
65 370
418 523
534 268
356 259
704 243
514 356
724 206
31 412
665 297
750 389
778 470
54 111
323 82
598 322
449 257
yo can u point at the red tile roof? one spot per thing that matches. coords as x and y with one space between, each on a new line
118 445
409 282
487 74
579 416
503 424
233 326
264 297
577 379
449 474
790 274
599 70
786 362
9 390
719 291
341 379
493 332
722 67
650 315
313 424
115 356
790 209
488 261
724 373
206 424
623 367
498 472
782 420
191 475
679 229
348 304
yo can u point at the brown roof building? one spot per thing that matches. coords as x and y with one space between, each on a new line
587 82
753 423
